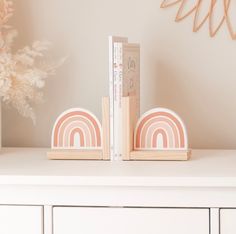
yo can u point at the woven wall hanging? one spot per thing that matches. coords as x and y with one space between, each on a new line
196 7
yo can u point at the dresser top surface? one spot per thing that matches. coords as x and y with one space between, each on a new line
30 166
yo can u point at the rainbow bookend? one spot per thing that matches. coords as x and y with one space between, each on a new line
159 134
78 134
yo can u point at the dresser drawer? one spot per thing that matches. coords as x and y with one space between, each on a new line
85 220
21 219
228 221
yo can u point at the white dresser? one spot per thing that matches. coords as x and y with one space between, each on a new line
96 197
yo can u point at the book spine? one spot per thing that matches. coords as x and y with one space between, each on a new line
120 95
116 98
111 95
117 101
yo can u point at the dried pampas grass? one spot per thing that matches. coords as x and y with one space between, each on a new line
22 73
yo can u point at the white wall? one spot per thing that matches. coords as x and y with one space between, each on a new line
188 72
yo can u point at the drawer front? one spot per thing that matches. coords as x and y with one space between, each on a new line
84 220
228 221
21 219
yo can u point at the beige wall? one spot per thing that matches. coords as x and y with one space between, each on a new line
187 72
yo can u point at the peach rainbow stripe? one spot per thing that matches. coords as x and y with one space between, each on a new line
160 129
76 129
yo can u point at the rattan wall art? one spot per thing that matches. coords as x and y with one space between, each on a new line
197 7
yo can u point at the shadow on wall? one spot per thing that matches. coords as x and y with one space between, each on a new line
172 92
186 94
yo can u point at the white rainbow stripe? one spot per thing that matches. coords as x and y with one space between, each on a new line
76 129
160 129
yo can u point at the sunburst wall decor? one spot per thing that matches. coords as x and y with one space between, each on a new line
195 9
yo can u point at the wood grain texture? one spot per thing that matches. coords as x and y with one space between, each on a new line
129 121
75 154
105 129
179 155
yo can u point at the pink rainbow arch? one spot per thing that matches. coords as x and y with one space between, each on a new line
160 129
76 129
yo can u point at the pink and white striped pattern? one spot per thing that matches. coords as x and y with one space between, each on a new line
160 129
76 129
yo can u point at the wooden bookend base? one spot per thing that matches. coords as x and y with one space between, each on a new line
165 155
97 154
75 154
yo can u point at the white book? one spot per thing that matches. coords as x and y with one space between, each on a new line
117 83
112 40
127 75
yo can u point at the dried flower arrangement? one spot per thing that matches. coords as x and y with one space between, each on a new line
22 73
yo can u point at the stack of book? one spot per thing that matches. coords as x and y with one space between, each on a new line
124 80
